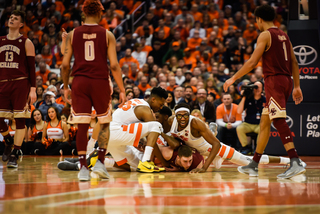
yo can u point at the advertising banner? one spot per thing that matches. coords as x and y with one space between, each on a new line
304 122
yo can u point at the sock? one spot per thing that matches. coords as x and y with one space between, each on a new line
17 147
8 139
229 153
147 153
239 159
101 155
257 157
109 162
292 153
284 160
264 159
83 161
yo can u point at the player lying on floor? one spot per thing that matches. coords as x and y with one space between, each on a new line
180 160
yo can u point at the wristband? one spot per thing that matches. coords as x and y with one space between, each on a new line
226 125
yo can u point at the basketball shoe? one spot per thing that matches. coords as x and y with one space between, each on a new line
100 169
251 169
148 166
296 168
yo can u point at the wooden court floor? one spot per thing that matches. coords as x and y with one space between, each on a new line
38 186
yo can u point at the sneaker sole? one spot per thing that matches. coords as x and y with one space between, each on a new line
84 179
101 174
250 174
299 173
65 165
147 171
12 166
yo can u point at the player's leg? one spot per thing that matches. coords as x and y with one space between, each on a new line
101 97
94 137
81 115
21 111
8 140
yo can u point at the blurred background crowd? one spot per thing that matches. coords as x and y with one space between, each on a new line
188 47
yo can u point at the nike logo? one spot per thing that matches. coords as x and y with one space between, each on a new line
147 167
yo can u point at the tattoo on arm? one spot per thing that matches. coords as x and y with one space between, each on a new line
103 138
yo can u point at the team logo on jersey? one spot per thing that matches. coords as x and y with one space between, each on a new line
305 54
20 40
273 111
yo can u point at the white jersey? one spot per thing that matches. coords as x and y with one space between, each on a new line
199 144
125 115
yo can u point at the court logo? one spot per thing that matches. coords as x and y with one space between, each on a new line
289 121
305 54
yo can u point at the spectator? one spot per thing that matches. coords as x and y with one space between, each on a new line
205 107
128 59
120 54
140 55
49 101
140 30
183 15
188 95
43 71
228 120
252 103
143 86
137 92
157 53
133 73
170 101
172 84
175 51
178 92
250 34
195 41
179 77
46 55
197 26
163 27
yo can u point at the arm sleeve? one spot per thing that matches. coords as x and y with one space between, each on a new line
220 122
236 124
32 70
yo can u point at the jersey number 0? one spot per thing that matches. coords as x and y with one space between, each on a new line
89 50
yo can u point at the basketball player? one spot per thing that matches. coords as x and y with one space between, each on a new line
194 133
91 45
279 64
17 83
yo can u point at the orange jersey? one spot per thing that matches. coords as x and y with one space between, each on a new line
223 113
147 49
43 75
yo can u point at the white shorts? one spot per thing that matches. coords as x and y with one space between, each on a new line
131 134
126 154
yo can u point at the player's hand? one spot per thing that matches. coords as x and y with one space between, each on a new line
67 95
172 169
297 95
226 85
122 99
32 95
64 34
197 170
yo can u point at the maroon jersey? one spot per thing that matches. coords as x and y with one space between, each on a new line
13 58
277 59
90 52
197 159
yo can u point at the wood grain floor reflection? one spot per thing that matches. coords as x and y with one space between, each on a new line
38 186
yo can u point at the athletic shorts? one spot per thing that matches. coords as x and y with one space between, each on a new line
87 92
127 135
278 89
126 154
13 99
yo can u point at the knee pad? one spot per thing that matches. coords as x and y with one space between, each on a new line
3 126
20 123
155 127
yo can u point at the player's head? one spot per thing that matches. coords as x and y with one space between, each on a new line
16 19
163 114
182 112
264 13
157 98
185 157
92 8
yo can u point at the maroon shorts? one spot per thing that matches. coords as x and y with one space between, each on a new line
278 89
88 93
13 99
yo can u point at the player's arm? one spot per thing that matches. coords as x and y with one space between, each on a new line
296 93
253 61
65 67
30 53
64 38
114 66
173 143
210 138
144 114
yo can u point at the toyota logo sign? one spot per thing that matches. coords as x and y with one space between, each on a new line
305 54
289 121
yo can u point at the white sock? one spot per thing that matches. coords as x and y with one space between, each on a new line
90 145
109 162
284 160
264 159
147 153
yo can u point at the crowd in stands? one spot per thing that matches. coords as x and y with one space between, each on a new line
188 47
